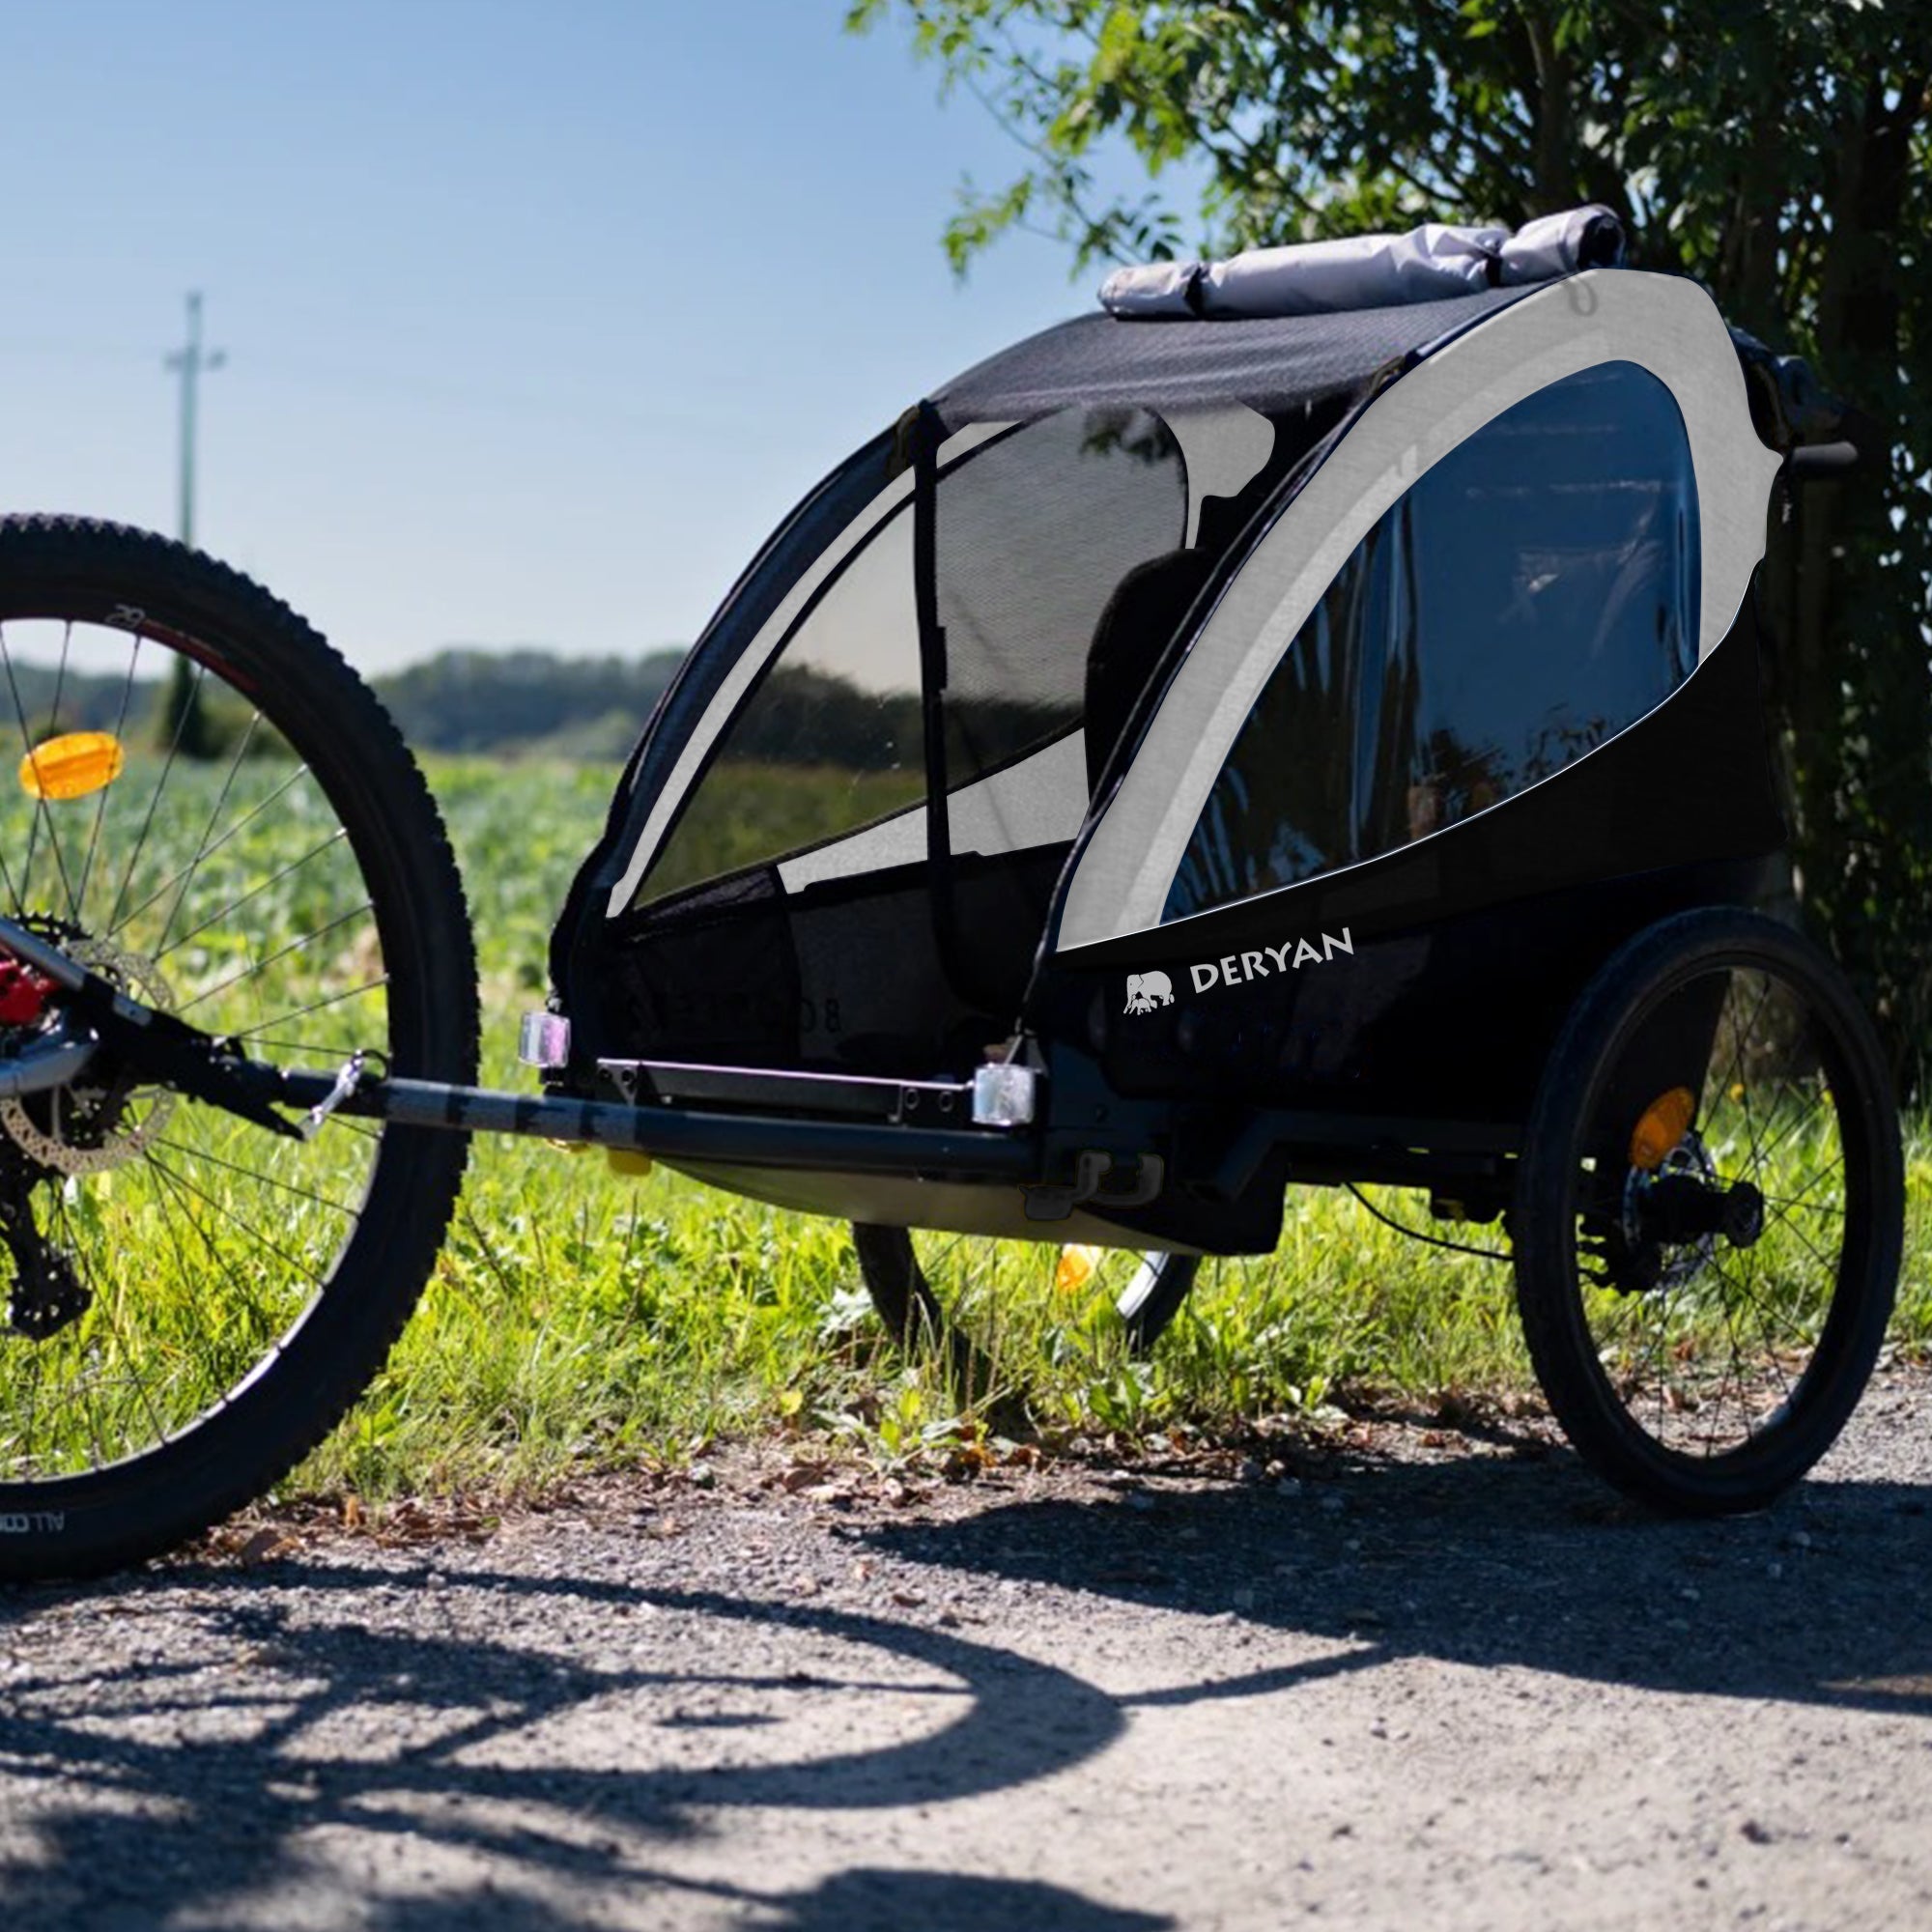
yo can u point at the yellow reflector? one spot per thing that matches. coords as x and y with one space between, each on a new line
72 765
1665 1121
1075 1268
628 1160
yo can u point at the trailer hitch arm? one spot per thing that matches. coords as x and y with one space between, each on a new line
217 1070
681 1133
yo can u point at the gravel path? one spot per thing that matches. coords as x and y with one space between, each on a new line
1415 1680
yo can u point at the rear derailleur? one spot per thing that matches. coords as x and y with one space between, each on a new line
47 1294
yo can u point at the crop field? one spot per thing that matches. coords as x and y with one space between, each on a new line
580 1318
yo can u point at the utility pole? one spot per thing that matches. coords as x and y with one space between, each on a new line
190 363
183 725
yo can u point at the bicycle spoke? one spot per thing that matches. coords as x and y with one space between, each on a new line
1816 1181
220 1263
103 1305
228 1215
102 797
234 905
116 922
294 946
41 812
201 848
155 798
255 1174
315 1006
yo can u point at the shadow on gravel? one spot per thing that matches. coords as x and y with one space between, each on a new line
907 1900
176 1794
1514 1559
535 1762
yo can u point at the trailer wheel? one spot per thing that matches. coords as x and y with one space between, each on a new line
1709 1213
922 1286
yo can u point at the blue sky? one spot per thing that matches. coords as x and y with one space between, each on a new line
538 316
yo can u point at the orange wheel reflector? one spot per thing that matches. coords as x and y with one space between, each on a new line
1075 1268
1665 1121
72 765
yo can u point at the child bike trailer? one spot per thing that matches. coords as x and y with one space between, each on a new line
1315 748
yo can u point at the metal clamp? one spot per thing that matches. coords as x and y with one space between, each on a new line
346 1083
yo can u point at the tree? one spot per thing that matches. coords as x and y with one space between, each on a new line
1780 151
184 727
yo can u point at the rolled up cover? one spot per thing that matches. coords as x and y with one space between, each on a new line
1370 270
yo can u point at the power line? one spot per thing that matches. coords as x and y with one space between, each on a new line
190 361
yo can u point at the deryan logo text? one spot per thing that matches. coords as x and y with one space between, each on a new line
1147 990
1288 958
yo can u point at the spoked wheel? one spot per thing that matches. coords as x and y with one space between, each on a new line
213 813
1708 1214
943 1287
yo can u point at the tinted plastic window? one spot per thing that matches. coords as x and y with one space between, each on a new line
1532 596
829 740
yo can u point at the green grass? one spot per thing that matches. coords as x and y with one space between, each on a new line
582 1320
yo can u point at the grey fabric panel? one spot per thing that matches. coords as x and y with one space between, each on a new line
1664 323
1223 450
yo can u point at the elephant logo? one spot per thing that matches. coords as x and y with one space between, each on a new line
1147 990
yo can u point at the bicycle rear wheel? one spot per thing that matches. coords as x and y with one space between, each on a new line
192 1303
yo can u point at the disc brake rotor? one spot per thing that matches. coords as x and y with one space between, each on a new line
87 1128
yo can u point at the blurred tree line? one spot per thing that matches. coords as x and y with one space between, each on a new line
526 703
1780 151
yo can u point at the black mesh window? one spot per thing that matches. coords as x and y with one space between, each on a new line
1032 536
1033 531
1532 596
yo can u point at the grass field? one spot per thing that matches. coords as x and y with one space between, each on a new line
579 1319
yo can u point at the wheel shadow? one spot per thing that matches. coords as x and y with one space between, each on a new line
1515 1558
153 1791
